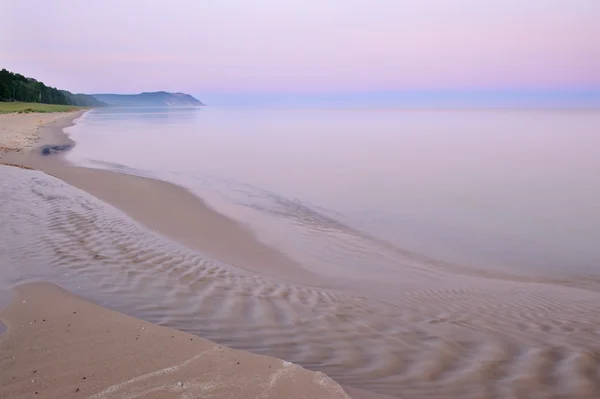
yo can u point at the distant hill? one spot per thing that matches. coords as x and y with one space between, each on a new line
84 100
153 99
16 87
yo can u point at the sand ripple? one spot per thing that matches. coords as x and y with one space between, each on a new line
465 336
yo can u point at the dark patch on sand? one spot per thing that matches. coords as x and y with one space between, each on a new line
53 149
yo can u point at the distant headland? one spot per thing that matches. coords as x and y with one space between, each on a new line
152 99
23 94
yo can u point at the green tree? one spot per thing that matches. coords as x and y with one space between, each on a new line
16 87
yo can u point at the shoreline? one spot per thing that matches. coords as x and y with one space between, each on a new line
464 335
191 223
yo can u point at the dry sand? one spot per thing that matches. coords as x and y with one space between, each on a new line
21 132
60 346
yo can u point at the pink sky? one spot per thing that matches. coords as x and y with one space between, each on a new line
325 45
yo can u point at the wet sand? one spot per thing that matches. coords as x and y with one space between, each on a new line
440 333
60 346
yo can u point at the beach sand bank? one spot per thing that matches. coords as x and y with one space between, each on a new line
60 346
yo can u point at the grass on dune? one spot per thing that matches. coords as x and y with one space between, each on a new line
26 108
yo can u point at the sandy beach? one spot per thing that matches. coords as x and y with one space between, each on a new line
60 346
19 133
105 238
57 345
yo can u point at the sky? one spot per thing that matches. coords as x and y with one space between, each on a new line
220 47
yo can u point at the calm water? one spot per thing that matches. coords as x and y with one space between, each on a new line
360 193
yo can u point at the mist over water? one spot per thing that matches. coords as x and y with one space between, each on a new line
358 192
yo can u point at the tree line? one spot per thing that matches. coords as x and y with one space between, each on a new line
16 87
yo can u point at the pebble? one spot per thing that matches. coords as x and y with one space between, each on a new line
179 384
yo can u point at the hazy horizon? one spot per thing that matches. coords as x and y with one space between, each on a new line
544 53
412 99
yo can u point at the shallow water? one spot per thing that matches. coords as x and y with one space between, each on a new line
463 335
342 189
494 294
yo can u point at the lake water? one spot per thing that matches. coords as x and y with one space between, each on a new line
360 192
